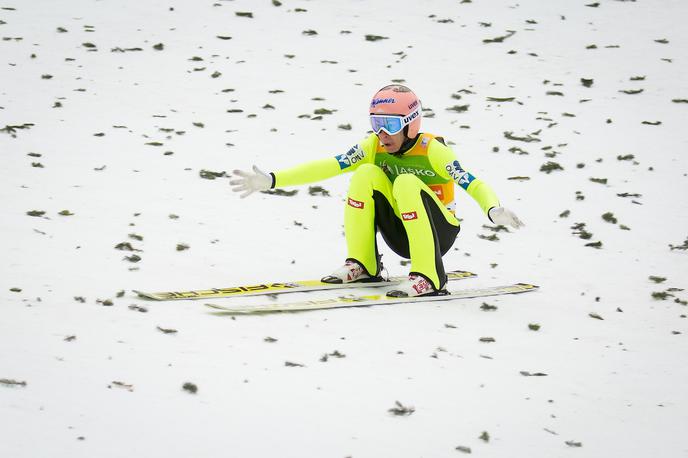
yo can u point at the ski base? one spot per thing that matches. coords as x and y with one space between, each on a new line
370 300
278 288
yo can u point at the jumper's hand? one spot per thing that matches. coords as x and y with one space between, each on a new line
505 217
250 182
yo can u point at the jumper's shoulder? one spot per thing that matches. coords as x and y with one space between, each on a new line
440 155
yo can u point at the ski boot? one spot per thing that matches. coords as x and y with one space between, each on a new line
352 272
416 285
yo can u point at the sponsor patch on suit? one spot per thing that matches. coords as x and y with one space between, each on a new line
355 203
351 157
459 175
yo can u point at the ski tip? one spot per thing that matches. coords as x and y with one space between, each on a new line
525 287
461 274
528 285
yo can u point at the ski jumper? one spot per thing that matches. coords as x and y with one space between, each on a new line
408 197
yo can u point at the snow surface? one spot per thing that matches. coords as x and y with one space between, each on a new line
82 378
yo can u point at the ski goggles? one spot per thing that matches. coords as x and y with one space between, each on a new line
392 124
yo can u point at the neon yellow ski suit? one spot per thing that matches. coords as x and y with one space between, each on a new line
409 197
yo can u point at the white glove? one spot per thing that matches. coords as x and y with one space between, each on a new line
248 182
504 217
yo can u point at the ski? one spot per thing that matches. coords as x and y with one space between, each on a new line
369 300
278 288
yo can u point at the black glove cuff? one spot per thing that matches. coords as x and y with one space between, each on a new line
488 215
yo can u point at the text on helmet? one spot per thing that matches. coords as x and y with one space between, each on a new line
411 117
377 102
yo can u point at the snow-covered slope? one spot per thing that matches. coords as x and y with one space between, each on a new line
111 114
